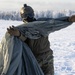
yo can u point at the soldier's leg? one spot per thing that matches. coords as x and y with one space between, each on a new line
47 63
48 66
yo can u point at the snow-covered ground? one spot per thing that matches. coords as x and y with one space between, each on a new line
62 43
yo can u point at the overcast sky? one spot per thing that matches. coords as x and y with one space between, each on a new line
38 5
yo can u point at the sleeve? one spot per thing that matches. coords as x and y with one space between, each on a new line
63 19
60 19
52 25
37 29
23 38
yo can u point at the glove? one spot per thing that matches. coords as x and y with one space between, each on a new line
13 31
72 18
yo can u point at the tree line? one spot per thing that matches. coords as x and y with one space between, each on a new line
13 15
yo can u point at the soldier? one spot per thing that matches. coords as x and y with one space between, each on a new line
40 47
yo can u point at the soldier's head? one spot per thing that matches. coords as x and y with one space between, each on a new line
27 13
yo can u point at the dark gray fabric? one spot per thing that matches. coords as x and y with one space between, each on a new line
35 30
23 61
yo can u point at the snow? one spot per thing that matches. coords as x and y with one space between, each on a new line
62 44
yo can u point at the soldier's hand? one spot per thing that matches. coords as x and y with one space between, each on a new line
13 31
72 18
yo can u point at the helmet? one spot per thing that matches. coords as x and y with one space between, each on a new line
27 11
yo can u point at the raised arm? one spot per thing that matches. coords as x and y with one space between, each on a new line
15 32
35 30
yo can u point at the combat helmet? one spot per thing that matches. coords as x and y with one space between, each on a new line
27 11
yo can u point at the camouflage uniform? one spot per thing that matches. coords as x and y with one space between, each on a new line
41 47
44 55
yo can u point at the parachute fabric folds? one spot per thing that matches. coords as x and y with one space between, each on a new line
17 58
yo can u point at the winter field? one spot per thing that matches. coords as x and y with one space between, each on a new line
62 43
